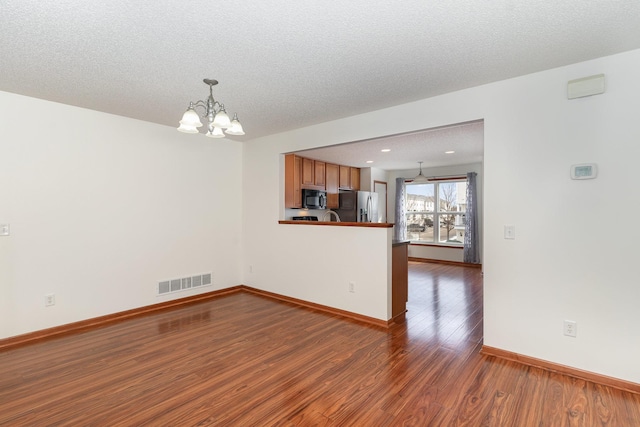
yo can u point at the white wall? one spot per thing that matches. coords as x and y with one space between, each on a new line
378 175
434 252
383 196
572 258
102 207
365 179
312 263
368 175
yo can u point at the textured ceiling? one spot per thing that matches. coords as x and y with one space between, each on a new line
287 64
405 151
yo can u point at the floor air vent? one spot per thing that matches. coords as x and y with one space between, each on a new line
184 283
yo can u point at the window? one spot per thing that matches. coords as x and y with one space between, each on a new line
436 212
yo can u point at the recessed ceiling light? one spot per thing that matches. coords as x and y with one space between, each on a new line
449 152
385 150
369 161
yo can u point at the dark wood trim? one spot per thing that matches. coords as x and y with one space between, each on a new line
562 369
398 318
323 308
442 261
434 245
96 322
340 224
447 178
439 178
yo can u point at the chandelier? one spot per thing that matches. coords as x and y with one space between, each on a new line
420 179
218 122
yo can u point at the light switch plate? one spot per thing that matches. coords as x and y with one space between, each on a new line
4 230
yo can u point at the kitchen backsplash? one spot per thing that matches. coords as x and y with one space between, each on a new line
290 213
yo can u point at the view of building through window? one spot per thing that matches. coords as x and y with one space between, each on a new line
441 203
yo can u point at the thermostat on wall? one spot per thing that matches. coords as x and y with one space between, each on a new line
584 171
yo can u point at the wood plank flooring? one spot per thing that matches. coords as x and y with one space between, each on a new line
246 360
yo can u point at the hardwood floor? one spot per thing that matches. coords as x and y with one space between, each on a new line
246 360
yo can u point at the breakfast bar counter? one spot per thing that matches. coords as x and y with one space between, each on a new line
340 224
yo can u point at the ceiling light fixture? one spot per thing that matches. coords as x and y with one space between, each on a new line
420 179
385 150
369 161
214 113
449 152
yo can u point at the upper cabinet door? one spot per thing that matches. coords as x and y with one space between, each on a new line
319 173
313 174
345 177
308 172
332 173
355 178
292 172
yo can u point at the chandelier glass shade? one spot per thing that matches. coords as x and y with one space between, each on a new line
213 112
420 179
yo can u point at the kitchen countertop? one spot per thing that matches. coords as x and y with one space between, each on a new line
340 224
399 242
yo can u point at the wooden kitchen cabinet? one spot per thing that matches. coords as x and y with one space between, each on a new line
292 181
349 178
355 178
308 172
302 173
319 174
313 174
345 177
332 177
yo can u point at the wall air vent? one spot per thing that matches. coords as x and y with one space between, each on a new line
184 283
196 281
164 287
206 279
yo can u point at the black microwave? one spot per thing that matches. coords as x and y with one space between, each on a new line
314 199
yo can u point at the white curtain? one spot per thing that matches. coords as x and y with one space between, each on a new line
400 228
471 244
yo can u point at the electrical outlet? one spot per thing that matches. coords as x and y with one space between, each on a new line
251 269
352 287
4 230
49 300
570 328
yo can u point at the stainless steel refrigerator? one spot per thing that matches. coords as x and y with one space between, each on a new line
358 206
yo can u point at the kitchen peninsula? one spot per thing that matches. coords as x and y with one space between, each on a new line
374 288
399 264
